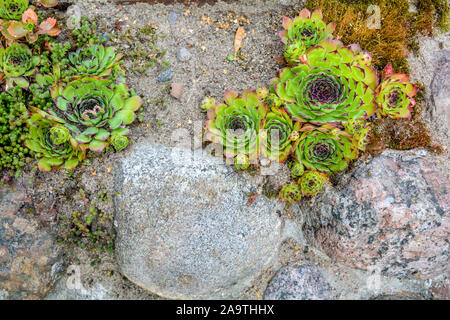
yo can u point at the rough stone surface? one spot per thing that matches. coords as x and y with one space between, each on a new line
165 75
183 55
391 217
305 282
185 230
29 258
173 17
440 90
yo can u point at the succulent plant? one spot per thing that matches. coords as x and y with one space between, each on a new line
325 148
208 103
119 139
13 130
360 130
335 83
297 169
47 3
94 60
53 144
262 92
237 123
14 30
303 32
290 193
94 110
312 182
241 162
16 63
395 94
13 9
279 135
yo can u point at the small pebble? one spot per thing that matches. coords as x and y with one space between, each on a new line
177 90
173 17
183 55
165 75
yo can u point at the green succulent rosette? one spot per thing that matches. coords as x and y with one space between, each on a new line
395 95
360 130
94 110
325 148
119 139
53 144
335 83
13 9
17 62
312 182
303 32
241 162
236 123
95 60
290 193
297 169
278 135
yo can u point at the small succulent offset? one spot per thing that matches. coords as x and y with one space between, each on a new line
279 135
94 60
13 9
290 193
241 162
16 63
237 123
360 130
14 30
333 84
312 182
96 111
303 32
395 95
326 148
297 169
53 144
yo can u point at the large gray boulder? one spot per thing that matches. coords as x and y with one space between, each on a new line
186 229
391 217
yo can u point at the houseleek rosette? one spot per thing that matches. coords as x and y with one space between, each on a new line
325 148
13 9
17 62
312 182
290 193
279 135
95 60
237 123
395 95
303 32
360 130
335 83
53 144
297 169
95 110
